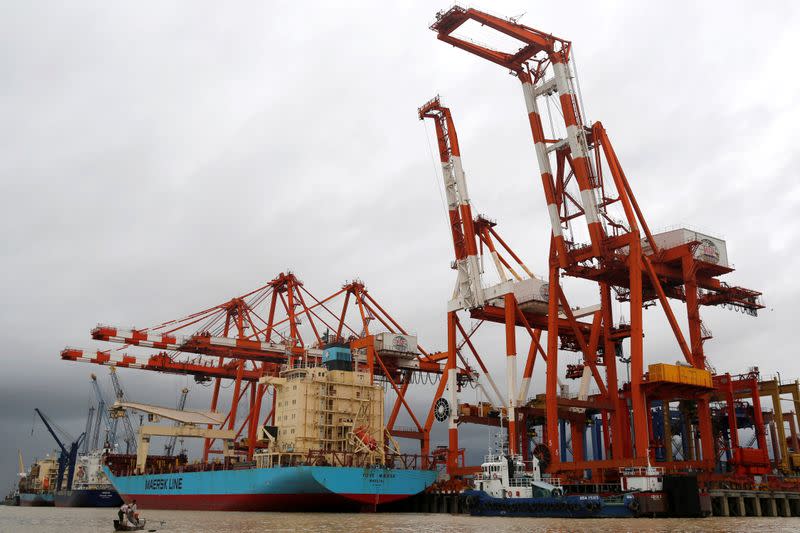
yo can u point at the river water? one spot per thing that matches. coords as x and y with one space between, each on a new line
52 520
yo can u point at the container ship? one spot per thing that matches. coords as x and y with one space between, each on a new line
328 450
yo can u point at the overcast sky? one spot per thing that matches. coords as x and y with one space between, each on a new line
158 158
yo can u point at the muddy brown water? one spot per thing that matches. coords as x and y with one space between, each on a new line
50 519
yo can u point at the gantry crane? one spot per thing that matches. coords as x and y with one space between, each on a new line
130 434
169 447
88 430
622 257
102 418
518 293
258 334
471 238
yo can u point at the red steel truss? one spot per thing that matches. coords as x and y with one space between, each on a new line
581 178
274 326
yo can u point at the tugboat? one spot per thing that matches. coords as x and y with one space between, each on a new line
504 488
12 498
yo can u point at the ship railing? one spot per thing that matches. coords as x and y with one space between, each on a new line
552 480
641 471
341 458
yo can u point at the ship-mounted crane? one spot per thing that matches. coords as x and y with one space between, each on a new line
623 257
21 465
69 447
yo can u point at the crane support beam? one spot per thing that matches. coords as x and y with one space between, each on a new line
146 432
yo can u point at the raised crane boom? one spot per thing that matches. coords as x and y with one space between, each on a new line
51 428
469 290
68 456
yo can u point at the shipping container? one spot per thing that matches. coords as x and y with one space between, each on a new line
684 375
336 353
663 372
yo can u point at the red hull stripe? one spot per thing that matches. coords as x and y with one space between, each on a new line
262 502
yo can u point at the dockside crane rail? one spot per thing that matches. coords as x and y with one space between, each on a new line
130 434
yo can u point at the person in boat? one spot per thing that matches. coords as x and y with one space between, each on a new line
133 514
122 514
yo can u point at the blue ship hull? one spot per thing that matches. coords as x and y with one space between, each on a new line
294 488
479 503
38 499
88 498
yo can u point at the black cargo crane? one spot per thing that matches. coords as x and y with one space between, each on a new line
67 458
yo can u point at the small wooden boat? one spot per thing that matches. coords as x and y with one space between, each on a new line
129 527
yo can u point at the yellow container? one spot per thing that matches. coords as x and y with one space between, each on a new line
656 372
695 376
663 372
794 459
685 375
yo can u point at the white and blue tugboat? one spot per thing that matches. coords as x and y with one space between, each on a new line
505 488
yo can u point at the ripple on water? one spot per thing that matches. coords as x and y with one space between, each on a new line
47 520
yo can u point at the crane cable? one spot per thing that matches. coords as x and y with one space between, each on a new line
435 173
